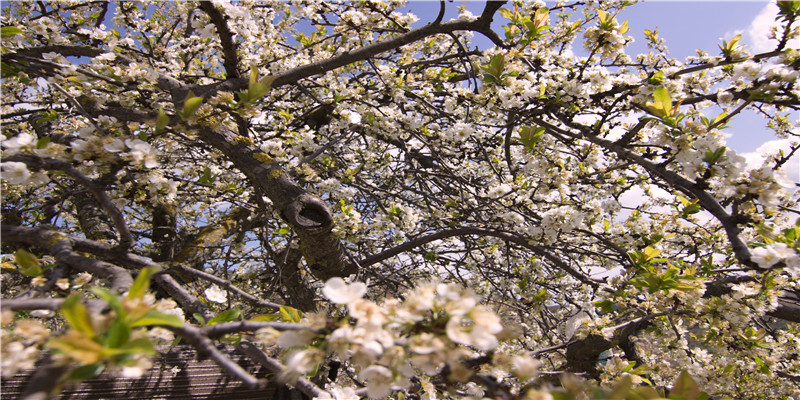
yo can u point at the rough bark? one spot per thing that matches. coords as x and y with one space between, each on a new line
93 221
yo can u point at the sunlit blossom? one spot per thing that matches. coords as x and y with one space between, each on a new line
215 294
340 292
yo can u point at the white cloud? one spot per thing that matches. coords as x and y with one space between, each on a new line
759 30
791 168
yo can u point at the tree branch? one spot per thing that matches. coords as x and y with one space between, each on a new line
36 163
227 285
467 231
205 347
60 247
231 63
275 367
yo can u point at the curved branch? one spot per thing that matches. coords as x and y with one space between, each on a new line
686 186
231 62
43 237
467 231
227 285
205 347
36 163
275 367
60 247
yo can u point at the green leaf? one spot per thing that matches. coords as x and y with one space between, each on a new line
118 334
142 282
161 121
644 393
256 88
257 91
253 76
494 69
621 386
139 346
110 298
289 314
265 317
158 318
650 252
712 157
657 78
190 106
685 386
7 31
662 104
206 179
530 136
77 315
8 71
728 47
87 371
506 13
226 316
42 143
28 263
661 95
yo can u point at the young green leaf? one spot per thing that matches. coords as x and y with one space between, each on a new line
139 346
28 263
529 136
685 386
289 314
7 31
161 121
158 318
77 315
142 282
265 317
253 76
88 371
118 334
110 298
662 104
712 157
190 106
728 47
226 316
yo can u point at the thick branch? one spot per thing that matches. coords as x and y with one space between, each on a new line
60 247
231 62
36 163
309 216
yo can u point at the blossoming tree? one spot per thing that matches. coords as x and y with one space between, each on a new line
374 210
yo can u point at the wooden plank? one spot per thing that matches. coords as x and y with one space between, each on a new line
176 374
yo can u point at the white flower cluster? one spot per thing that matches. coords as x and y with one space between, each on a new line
771 254
20 343
438 325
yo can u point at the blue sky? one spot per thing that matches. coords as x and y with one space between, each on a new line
686 26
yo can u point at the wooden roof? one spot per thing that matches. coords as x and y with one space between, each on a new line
176 374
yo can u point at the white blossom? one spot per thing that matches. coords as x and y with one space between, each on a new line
15 173
340 292
215 294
